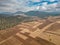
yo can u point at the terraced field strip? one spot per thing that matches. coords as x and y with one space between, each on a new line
7 33
37 25
21 36
37 41
30 30
38 31
28 41
25 30
6 40
58 21
54 33
44 24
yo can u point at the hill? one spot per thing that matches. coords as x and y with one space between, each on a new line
42 14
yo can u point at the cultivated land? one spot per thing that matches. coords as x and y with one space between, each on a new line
38 32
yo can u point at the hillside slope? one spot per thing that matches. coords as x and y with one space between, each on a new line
31 33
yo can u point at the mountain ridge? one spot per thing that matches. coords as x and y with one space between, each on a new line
40 14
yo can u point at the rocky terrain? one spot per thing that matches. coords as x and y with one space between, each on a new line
38 32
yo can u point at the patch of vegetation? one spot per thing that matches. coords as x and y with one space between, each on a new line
10 21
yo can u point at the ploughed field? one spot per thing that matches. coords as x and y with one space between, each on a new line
41 32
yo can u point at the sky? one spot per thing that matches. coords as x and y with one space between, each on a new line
29 5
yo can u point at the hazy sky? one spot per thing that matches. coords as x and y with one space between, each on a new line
29 5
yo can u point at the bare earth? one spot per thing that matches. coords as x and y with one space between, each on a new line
46 32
